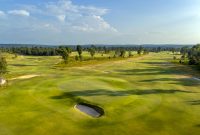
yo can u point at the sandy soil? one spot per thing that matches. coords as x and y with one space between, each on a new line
197 79
25 77
188 77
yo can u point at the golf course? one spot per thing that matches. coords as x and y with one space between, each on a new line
141 95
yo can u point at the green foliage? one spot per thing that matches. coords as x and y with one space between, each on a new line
65 53
174 58
173 50
92 51
3 65
122 53
81 57
79 49
130 54
184 50
193 54
146 51
116 53
76 57
140 50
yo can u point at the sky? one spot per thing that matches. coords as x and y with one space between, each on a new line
72 22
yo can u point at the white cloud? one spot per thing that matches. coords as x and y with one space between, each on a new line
81 18
19 12
93 24
71 16
93 10
53 21
61 18
2 13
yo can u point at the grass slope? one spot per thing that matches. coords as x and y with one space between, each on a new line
140 96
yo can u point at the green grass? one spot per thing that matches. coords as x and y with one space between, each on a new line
140 96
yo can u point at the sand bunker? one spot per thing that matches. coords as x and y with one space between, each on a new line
25 77
2 81
196 79
90 110
188 77
106 72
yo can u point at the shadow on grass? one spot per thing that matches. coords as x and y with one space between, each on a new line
75 94
22 65
194 102
157 63
150 71
69 96
155 68
198 125
162 68
181 81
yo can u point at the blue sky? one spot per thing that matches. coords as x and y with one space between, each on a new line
100 21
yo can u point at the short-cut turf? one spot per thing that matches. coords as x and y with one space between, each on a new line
140 96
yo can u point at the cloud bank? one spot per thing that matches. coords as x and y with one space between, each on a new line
63 15
57 22
2 13
19 12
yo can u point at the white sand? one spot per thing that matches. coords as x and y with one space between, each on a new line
88 110
2 81
25 77
197 79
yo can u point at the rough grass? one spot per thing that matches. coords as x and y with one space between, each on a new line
140 96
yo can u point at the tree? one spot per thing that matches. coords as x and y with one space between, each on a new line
79 49
173 50
174 58
140 50
3 65
65 56
64 52
194 55
130 54
122 53
76 57
92 51
184 50
146 51
116 53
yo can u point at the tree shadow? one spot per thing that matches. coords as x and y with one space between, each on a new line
87 93
157 63
194 102
22 65
198 125
182 81
162 68
150 71
156 68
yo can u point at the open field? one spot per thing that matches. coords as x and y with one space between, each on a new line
147 95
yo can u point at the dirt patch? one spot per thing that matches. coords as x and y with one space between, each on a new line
183 76
188 77
25 77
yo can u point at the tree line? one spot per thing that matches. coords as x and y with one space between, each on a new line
191 54
55 51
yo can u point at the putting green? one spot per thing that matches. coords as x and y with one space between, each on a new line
140 96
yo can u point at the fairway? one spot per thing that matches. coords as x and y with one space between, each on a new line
146 95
